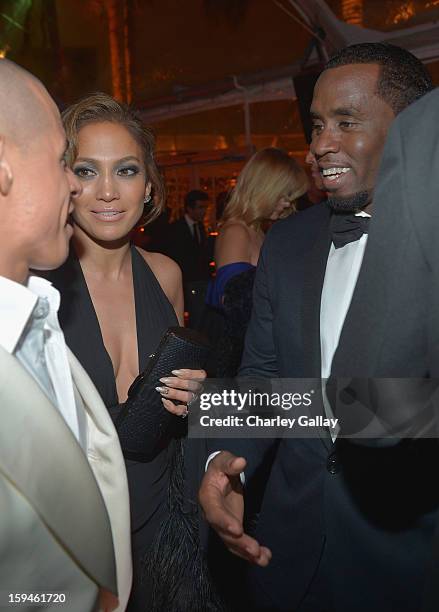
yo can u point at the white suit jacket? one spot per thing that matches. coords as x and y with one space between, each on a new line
63 526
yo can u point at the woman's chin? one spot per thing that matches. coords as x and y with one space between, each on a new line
105 236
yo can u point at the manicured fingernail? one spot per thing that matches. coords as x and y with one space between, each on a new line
165 380
177 372
162 390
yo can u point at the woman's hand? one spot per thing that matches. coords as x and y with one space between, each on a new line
183 386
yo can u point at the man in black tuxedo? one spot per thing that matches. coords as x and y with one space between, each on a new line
327 552
186 243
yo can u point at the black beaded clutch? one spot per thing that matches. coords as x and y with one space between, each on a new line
143 424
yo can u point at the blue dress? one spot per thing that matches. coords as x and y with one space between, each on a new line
231 294
215 290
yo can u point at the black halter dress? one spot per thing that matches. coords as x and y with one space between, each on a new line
148 481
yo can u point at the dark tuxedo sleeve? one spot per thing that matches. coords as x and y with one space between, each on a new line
259 361
259 358
392 327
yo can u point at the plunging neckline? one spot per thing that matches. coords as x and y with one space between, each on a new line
105 353
78 319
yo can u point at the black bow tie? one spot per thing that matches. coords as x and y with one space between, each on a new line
347 228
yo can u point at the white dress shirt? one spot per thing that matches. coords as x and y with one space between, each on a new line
342 269
29 329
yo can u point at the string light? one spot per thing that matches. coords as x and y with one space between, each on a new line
352 11
406 11
12 24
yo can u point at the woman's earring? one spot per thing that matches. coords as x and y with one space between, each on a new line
147 199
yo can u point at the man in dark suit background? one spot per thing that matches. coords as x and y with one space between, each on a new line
187 238
186 244
329 552
398 335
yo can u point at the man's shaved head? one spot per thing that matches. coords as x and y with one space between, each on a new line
26 109
35 184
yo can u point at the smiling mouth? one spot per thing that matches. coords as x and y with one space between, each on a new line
107 215
331 174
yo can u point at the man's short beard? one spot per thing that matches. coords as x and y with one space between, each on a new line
353 203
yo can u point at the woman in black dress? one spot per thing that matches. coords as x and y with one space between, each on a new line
117 301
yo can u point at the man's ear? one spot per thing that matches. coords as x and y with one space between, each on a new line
6 178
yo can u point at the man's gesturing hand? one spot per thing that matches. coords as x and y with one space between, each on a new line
221 497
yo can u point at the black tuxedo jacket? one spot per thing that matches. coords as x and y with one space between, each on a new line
283 341
338 500
181 247
392 327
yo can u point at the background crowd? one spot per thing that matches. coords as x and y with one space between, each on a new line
288 284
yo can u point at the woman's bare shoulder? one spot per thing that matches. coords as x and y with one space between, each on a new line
162 266
235 228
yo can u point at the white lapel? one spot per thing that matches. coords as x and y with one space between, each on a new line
40 455
106 460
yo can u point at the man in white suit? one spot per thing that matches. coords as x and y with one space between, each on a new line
64 515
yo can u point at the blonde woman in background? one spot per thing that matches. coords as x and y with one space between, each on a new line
266 190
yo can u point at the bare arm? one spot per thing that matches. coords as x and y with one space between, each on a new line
183 385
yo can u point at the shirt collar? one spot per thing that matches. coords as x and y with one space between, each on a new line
17 303
189 220
362 214
44 288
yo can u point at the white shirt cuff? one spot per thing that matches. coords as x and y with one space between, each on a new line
209 459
